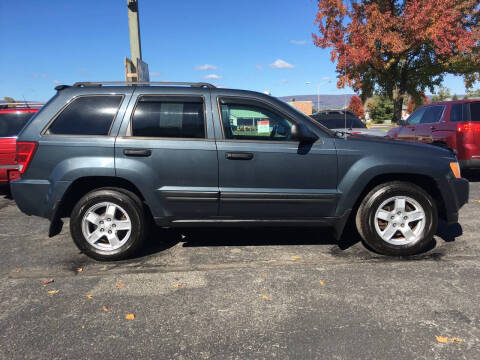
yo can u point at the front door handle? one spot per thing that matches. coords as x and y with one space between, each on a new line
137 152
238 156
433 128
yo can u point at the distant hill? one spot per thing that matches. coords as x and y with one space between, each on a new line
330 101
326 101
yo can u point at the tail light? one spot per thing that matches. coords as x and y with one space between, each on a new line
468 127
24 154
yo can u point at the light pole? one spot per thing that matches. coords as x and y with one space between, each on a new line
318 92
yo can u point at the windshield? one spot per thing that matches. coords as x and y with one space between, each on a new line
339 123
12 122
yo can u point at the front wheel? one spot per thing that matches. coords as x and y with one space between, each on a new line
397 218
108 224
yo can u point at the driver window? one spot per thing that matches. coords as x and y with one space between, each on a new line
415 118
253 122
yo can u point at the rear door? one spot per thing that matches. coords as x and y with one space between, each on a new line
166 147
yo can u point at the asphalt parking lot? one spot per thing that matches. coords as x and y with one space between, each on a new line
221 294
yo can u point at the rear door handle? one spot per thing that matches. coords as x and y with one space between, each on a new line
137 152
238 156
433 128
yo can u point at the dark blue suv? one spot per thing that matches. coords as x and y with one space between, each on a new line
113 157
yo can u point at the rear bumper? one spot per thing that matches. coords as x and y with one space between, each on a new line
455 198
470 164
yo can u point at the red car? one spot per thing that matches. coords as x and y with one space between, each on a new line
13 116
453 124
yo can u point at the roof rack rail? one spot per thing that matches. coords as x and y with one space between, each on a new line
21 104
164 83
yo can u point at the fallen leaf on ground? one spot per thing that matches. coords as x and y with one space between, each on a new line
478 201
265 297
130 316
104 308
79 269
222 310
447 340
112 337
295 257
119 285
52 292
263 276
17 270
89 296
321 282
179 284
49 281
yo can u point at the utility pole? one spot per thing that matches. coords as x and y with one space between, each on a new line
135 45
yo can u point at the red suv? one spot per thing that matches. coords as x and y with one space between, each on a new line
13 117
453 124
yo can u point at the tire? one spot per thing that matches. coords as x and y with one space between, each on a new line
112 237
385 202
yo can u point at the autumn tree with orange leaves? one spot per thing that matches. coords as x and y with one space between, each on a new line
414 104
356 106
400 48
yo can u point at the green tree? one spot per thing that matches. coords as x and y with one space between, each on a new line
380 108
455 97
9 99
442 94
472 94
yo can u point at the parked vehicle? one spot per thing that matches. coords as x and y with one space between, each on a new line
344 122
453 124
13 117
113 157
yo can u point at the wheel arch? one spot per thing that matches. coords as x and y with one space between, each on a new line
84 185
425 182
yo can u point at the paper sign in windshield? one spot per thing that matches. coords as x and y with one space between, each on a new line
263 126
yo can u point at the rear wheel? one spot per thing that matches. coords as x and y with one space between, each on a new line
397 218
108 224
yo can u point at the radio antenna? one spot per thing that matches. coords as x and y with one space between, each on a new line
345 98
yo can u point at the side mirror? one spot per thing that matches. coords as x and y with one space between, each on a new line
402 122
302 134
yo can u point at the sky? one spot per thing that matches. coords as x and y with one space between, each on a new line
261 45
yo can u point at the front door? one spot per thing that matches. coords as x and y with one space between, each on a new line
263 174
430 123
407 132
167 148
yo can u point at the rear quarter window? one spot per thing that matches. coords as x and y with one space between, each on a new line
474 111
87 115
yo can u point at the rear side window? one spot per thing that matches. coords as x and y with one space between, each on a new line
456 113
87 115
12 122
168 117
432 114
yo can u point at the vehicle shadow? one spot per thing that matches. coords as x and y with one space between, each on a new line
5 192
284 236
163 239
